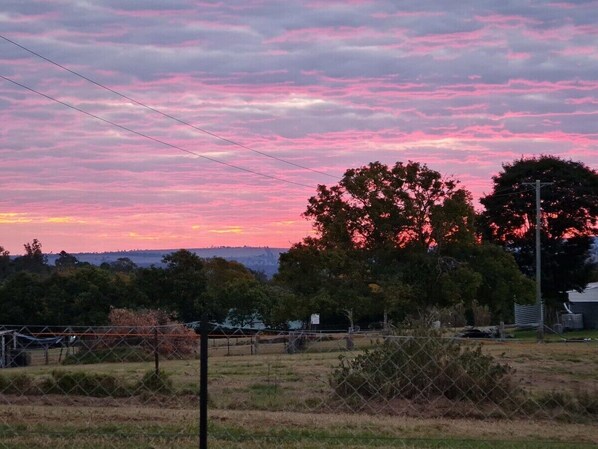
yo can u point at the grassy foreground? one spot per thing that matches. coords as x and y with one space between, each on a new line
276 400
101 427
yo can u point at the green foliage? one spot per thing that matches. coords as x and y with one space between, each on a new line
72 293
185 286
245 297
85 384
21 299
155 382
392 241
501 280
326 280
81 383
5 265
66 261
81 296
424 367
33 260
123 265
232 290
578 403
278 307
20 384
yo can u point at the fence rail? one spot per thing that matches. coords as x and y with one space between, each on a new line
138 387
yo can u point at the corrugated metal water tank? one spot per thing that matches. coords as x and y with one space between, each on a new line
572 321
526 315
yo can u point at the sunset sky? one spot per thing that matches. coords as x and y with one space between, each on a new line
328 85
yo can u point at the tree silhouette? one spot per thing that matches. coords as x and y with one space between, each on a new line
569 219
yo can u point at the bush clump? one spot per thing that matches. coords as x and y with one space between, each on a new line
155 382
86 384
562 403
424 368
17 384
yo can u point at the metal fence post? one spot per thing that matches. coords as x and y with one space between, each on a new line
203 383
156 353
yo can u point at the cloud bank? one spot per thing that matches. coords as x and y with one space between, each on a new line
324 84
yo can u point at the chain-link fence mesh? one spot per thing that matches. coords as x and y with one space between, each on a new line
138 387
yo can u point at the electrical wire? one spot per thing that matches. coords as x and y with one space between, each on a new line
164 114
514 192
109 122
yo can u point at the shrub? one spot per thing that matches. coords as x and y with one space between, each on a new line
588 401
574 403
174 339
156 382
16 384
86 384
423 368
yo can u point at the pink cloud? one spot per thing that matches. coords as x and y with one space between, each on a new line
330 86
514 56
507 21
323 34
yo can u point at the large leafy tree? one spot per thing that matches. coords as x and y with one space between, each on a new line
81 296
20 299
34 260
367 228
569 219
376 207
501 280
78 296
332 281
4 262
179 288
185 284
66 261
232 290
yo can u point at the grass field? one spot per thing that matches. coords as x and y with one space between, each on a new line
276 400
569 335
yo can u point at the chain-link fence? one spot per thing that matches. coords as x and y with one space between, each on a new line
138 387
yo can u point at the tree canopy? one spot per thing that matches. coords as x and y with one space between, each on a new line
377 206
392 240
569 219
34 259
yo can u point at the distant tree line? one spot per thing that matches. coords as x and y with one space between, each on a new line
78 293
390 242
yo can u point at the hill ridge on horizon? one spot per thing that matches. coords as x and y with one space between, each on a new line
169 250
257 258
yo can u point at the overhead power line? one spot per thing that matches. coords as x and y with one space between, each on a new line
145 136
164 114
513 192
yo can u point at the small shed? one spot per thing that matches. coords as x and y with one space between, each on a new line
8 345
16 348
586 304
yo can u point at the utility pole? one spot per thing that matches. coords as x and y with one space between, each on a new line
539 301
